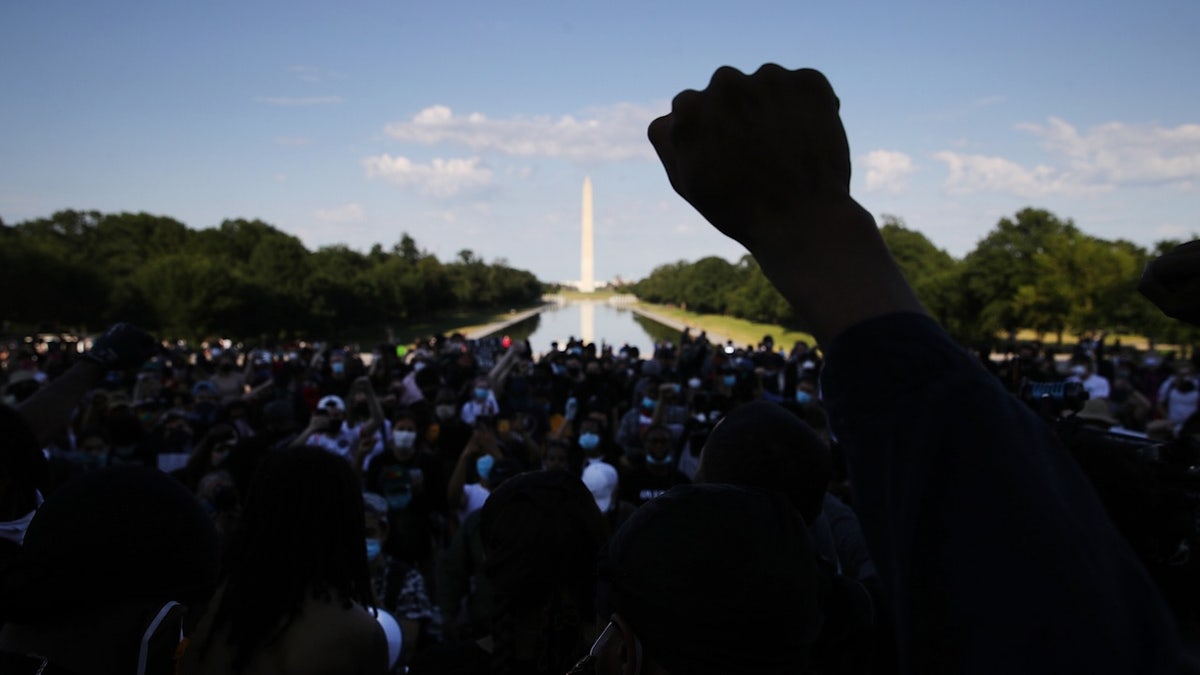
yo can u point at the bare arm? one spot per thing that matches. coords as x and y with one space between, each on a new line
765 159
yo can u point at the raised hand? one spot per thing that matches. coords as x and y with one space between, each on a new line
749 148
765 159
123 347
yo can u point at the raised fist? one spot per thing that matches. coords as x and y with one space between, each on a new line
123 347
750 152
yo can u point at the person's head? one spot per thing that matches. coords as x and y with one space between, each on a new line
375 526
301 535
1081 368
404 435
337 364
446 407
557 456
659 444
541 534
482 389
216 445
333 406
109 564
762 445
657 576
92 449
591 437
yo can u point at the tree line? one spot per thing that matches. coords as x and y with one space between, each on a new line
245 278
1032 271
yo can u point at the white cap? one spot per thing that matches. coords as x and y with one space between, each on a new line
601 479
332 402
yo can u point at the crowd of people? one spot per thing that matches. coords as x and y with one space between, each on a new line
461 506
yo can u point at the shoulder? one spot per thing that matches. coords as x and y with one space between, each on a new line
331 638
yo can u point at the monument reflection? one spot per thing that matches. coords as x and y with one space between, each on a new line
591 321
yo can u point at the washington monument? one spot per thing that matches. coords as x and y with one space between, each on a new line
587 257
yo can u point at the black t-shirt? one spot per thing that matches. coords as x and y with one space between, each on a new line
639 485
410 489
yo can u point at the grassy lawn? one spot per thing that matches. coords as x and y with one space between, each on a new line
742 332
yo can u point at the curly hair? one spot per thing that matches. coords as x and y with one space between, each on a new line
301 536
542 533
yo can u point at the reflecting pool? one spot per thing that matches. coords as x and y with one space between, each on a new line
591 321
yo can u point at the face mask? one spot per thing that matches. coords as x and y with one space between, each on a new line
659 462
361 410
730 380
404 439
648 403
399 501
374 548
589 441
483 466
337 367
803 396
694 383
481 393
1078 371
89 460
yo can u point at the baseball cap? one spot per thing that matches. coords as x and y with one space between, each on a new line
601 479
332 401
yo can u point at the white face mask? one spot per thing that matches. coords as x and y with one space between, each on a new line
404 439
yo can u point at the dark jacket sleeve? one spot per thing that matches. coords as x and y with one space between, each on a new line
994 549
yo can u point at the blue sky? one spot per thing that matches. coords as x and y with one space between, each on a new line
472 125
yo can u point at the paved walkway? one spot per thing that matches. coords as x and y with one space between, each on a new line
486 330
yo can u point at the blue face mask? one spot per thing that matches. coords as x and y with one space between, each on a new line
803 396
483 466
374 548
399 500
650 459
337 367
481 393
730 380
589 441
648 403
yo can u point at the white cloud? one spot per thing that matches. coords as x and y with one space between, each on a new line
981 173
613 133
299 100
346 213
887 170
439 178
1104 158
1125 154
